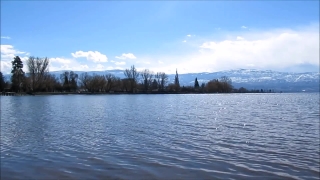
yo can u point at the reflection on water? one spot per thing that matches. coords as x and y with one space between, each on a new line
265 136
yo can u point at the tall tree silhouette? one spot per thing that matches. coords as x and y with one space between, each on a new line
2 82
38 71
146 76
226 84
196 83
110 81
17 74
163 80
176 81
73 81
65 80
154 84
132 75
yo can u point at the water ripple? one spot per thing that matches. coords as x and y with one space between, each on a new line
252 136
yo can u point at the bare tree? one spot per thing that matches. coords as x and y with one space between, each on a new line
163 80
65 80
128 73
171 87
226 84
219 86
154 84
84 80
31 63
38 69
51 82
158 78
110 81
95 83
100 82
117 84
213 86
146 78
132 75
73 78
126 84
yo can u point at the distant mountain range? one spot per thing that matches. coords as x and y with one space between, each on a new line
248 78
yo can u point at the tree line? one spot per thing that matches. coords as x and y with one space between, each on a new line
38 79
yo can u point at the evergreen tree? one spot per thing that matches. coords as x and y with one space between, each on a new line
176 80
2 82
17 74
196 83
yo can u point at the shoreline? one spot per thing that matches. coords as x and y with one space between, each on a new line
124 93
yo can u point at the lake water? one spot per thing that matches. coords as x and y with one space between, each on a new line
217 136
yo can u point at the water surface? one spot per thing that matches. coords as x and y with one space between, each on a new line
233 136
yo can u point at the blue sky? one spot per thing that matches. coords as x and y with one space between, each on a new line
189 35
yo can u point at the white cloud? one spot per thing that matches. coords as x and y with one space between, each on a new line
244 27
143 62
112 67
8 52
84 66
5 37
100 66
61 63
70 67
94 56
189 35
126 56
62 67
184 41
120 63
5 67
60 60
239 38
277 49
9 49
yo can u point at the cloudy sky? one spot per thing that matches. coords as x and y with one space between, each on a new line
192 36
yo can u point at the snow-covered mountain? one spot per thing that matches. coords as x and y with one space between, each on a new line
248 78
259 79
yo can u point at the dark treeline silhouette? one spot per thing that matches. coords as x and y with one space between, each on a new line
38 79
